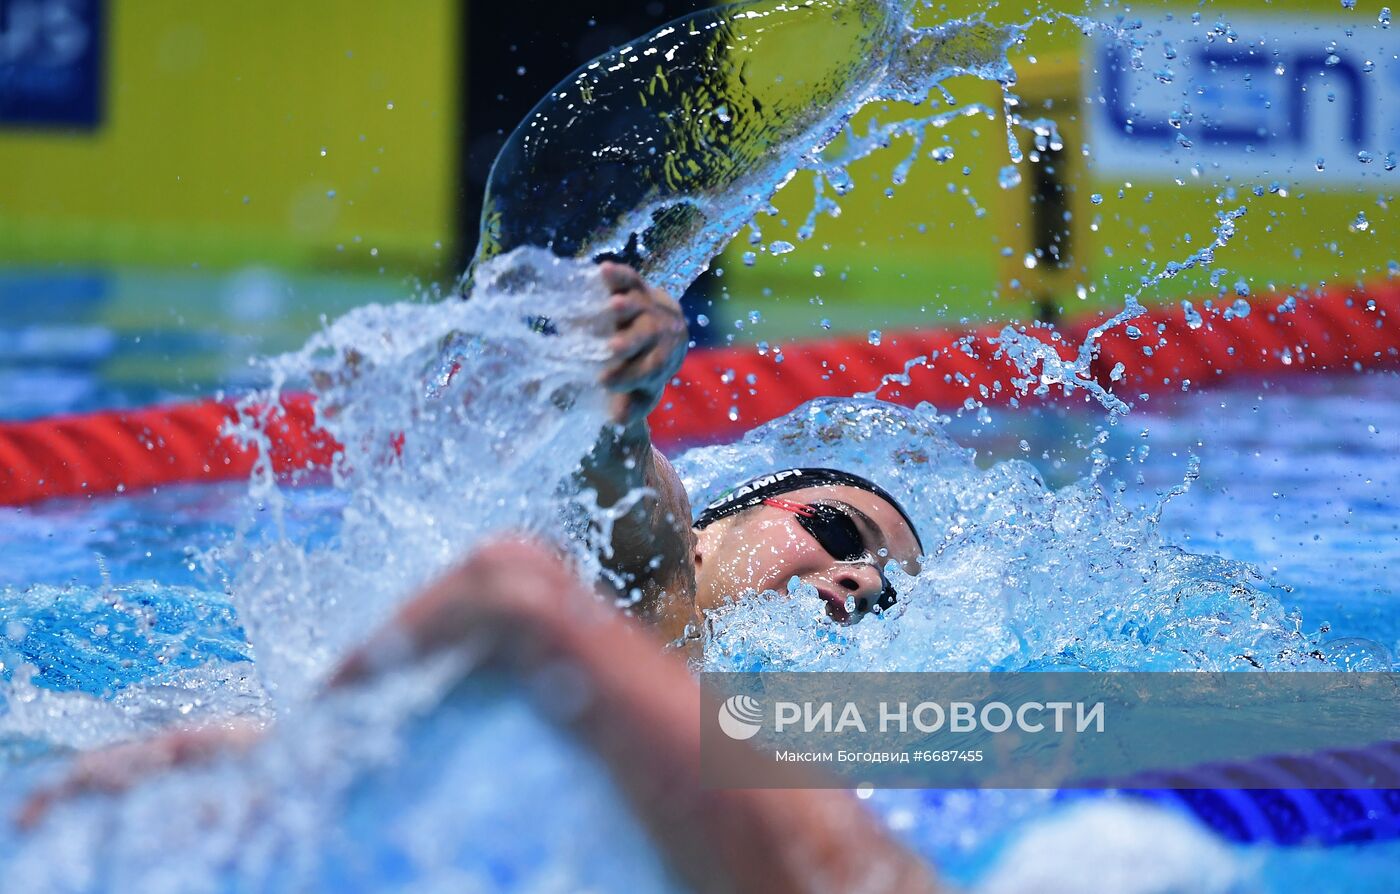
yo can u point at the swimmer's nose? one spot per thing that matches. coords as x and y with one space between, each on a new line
861 580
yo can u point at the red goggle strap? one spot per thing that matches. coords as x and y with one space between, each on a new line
801 509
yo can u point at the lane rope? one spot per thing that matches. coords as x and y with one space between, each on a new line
722 392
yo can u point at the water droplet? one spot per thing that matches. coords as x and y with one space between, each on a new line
780 247
1241 288
702 321
1384 17
1096 198
1009 177
733 414
722 113
1116 374
874 337
323 151
1348 4
520 70
1133 332
942 154
1368 66
1333 59
1240 308
755 316
818 270
1321 163
1361 224
750 259
330 193
1193 316
825 323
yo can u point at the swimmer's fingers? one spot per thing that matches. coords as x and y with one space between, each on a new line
620 277
649 348
625 307
634 356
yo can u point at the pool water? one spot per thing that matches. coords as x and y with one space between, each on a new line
1059 538
121 616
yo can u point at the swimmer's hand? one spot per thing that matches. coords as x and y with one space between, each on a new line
121 767
646 345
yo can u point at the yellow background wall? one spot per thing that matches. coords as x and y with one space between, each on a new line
949 244
216 115
227 126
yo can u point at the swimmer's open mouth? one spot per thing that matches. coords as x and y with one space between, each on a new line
836 607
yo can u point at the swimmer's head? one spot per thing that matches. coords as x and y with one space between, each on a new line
831 529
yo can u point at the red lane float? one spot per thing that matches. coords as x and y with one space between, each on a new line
723 392
125 450
1340 329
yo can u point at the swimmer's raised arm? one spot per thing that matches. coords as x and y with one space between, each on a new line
652 543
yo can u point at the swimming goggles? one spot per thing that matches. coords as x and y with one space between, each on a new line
838 534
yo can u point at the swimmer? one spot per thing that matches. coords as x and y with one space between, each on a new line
831 529
517 606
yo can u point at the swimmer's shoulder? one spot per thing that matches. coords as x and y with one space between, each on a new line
676 576
670 492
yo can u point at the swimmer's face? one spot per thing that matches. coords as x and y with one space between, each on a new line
764 547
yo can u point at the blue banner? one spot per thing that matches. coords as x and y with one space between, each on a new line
51 54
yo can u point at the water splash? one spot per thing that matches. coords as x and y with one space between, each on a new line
660 151
456 419
1019 576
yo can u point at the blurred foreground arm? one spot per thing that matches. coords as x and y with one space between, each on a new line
516 605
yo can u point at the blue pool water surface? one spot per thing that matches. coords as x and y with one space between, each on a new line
121 602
